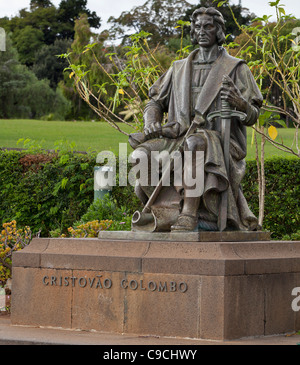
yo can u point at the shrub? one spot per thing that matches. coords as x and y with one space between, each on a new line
292 237
50 192
282 205
45 191
11 239
89 229
108 209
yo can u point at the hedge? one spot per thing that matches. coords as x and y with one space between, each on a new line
49 191
282 196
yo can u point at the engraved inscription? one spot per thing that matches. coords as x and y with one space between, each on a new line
100 282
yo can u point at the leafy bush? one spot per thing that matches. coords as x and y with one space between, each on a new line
282 205
107 208
89 229
45 191
11 239
292 237
23 95
53 191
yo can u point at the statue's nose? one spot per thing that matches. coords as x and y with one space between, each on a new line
201 31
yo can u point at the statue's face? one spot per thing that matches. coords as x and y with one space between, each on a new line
205 31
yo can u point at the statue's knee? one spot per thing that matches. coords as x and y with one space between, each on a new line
195 143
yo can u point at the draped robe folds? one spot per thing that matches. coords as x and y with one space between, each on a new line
173 94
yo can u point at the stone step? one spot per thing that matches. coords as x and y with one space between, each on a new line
27 335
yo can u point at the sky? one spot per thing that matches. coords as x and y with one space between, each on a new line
107 8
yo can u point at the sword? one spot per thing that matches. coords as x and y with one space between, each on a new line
226 114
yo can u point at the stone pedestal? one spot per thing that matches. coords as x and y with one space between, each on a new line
208 290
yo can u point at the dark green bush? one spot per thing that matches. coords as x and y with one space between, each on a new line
51 192
44 191
282 196
108 208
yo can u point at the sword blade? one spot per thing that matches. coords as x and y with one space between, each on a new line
225 132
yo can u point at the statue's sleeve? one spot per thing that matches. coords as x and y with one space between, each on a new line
159 95
246 83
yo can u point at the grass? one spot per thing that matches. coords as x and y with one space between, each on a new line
285 136
94 136
97 136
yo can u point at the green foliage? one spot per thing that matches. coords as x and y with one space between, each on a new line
292 237
44 191
38 35
128 73
69 11
156 17
108 209
88 229
50 192
53 22
272 53
22 95
27 41
47 65
11 239
282 208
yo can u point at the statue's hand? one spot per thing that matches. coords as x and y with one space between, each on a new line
232 95
153 130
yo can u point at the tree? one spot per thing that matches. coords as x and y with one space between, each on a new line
12 80
34 4
46 20
27 41
33 30
273 55
69 11
47 65
157 17
83 36
120 97
22 95
53 22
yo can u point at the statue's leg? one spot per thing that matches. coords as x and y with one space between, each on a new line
142 156
188 218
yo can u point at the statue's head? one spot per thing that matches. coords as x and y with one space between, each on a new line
207 27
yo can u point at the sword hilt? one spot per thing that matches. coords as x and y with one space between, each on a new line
226 112
225 106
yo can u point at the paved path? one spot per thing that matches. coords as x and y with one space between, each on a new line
23 335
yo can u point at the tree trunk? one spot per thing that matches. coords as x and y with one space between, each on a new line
260 162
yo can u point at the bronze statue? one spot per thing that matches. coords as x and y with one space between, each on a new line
209 98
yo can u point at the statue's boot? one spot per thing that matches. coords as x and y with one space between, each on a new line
185 223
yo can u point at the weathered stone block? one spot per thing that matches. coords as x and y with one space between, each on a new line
209 290
40 299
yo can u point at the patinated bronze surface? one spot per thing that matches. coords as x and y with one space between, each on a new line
209 99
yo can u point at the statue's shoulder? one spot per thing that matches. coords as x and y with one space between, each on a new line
180 63
227 57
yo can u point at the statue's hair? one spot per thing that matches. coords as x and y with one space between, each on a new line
218 20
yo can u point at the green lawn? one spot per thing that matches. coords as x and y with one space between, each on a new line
96 136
